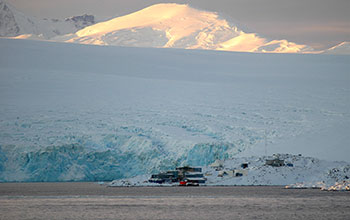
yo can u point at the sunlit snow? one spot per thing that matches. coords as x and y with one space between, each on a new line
178 26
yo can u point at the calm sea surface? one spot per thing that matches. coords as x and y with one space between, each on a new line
93 201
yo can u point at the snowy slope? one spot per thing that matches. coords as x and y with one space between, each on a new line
14 23
8 25
82 112
306 172
342 48
178 26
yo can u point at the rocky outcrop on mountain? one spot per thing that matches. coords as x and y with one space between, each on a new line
81 21
8 25
167 25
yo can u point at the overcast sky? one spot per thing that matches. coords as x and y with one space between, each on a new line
318 23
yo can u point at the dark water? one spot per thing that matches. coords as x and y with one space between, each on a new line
93 201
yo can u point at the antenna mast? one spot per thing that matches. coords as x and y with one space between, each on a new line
265 142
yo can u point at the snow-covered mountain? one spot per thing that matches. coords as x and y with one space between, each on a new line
342 48
14 23
178 26
8 25
162 26
84 112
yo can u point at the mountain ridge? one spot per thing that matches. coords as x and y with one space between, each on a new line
342 49
164 25
14 23
180 26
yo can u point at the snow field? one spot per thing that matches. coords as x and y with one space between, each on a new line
306 172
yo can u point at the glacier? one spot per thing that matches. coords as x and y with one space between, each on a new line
72 112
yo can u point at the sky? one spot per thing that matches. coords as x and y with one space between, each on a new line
317 23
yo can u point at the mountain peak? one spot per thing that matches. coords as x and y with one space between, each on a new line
14 23
169 17
165 25
165 9
179 26
8 24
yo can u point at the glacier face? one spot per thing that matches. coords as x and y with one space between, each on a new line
76 112
75 162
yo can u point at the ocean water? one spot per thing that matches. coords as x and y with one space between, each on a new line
94 201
